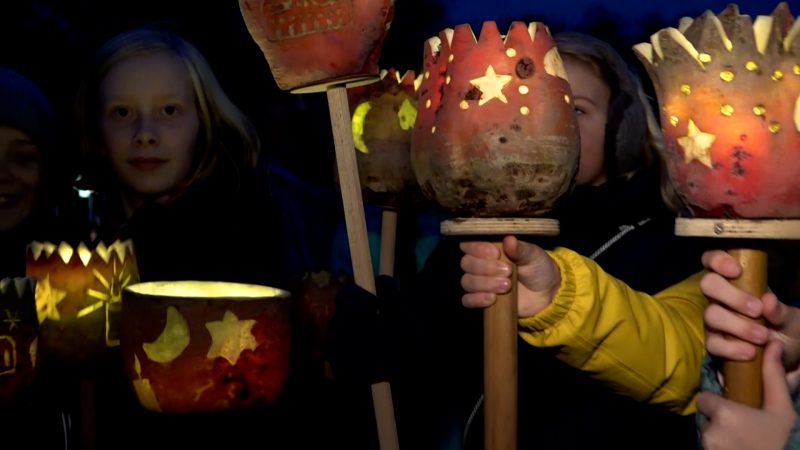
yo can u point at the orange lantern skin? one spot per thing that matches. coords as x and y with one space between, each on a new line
78 301
317 43
19 332
496 134
730 112
385 112
200 378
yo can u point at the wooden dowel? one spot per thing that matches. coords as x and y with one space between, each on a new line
500 368
743 380
388 239
359 244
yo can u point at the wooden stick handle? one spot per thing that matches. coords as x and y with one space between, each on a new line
388 239
500 368
743 380
359 245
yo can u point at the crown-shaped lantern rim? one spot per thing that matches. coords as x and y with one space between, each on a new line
121 250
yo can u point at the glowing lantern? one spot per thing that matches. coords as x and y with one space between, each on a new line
383 116
78 295
19 332
729 91
496 134
311 45
205 346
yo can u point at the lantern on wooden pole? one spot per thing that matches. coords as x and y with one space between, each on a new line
729 94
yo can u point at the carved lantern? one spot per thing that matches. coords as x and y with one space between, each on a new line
729 91
383 116
19 333
191 346
311 45
78 296
496 134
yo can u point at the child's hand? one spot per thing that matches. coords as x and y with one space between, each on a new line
733 426
485 275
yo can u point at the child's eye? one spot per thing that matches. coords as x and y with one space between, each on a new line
120 112
170 110
27 156
580 111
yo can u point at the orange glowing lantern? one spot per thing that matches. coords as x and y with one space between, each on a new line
78 296
193 346
729 91
496 134
19 333
383 116
311 45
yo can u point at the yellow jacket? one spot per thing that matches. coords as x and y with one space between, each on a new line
646 347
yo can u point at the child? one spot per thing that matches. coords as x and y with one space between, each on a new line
173 159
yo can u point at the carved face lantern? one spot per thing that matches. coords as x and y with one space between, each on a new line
729 91
311 44
191 346
19 332
383 116
496 134
79 294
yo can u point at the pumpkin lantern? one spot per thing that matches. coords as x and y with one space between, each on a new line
496 140
19 334
198 346
78 296
327 46
729 92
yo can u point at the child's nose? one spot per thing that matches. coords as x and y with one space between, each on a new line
146 133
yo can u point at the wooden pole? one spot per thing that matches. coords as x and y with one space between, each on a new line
743 380
359 244
500 367
388 239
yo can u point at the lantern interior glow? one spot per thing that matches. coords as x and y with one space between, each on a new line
206 289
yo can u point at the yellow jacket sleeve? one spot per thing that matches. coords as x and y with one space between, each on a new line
648 347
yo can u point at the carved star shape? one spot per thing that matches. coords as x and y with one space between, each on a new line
491 86
230 337
11 319
47 300
696 145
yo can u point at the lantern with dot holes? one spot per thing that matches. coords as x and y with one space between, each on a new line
496 134
729 92
199 346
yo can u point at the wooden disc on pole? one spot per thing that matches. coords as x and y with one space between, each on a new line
500 328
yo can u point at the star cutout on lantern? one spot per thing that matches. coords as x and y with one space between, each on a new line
230 337
11 319
491 86
696 145
47 300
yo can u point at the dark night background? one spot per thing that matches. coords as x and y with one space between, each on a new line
49 40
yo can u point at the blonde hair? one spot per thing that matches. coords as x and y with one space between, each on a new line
225 133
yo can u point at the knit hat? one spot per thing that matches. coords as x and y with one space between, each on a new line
24 106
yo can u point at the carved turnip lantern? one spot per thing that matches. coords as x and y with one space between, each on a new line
496 142
19 333
311 45
496 134
78 296
328 46
729 92
198 346
383 115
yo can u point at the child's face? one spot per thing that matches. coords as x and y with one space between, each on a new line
149 122
20 176
590 95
